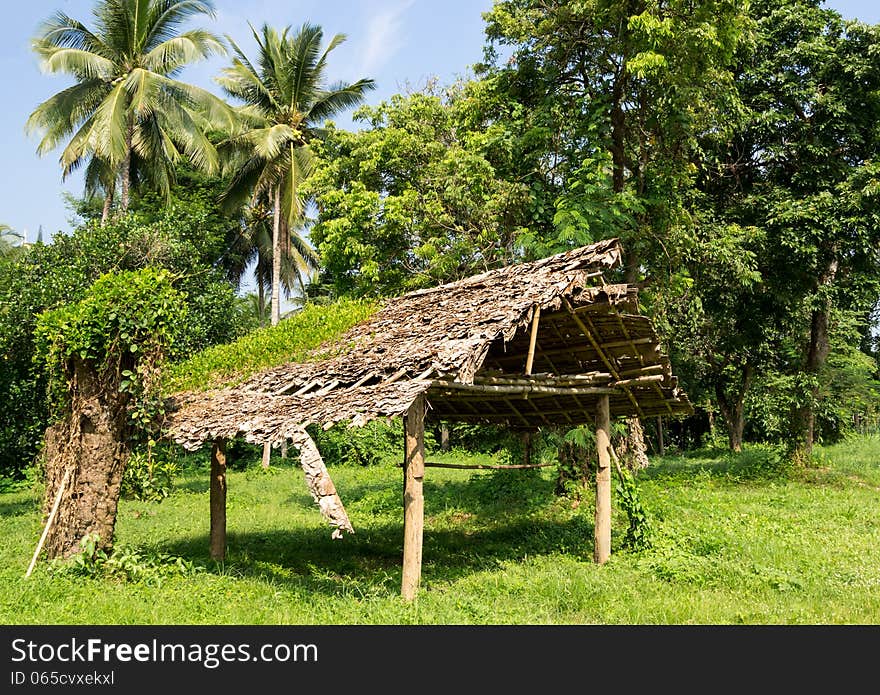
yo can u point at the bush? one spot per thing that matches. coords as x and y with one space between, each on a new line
377 442
47 276
149 475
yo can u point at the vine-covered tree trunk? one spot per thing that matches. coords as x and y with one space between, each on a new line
91 443
576 471
631 448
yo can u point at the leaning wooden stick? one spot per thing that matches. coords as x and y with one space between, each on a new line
49 522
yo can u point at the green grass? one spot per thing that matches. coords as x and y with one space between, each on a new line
289 341
738 539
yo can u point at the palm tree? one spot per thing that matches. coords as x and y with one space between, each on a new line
10 240
126 111
286 102
252 244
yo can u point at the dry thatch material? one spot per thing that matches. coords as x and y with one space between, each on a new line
527 345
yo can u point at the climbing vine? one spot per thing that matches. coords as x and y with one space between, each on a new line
122 331
640 532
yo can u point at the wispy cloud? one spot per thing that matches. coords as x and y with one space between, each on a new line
384 36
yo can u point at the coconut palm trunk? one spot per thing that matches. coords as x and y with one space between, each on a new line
126 168
276 259
108 204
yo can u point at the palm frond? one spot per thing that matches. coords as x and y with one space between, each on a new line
78 63
167 16
109 133
63 31
176 52
61 114
305 71
338 98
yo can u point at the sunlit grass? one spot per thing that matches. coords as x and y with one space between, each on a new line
738 539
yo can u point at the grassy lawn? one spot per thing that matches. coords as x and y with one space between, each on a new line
736 540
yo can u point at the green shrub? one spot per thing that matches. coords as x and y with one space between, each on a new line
122 329
149 475
375 443
124 564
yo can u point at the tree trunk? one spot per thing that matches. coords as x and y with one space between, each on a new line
276 259
126 168
267 456
732 410
630 447
734 422
108 204
91 444
818 348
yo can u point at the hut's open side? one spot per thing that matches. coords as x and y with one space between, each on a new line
541 344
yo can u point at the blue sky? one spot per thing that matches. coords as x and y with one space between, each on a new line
396 42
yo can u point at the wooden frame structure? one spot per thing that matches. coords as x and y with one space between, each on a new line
532 345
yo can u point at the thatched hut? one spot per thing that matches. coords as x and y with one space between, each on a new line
548 343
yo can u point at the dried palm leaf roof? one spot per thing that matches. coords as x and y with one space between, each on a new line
466 346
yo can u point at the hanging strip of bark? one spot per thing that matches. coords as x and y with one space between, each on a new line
320 484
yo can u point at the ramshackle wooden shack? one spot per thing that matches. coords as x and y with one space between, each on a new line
541 344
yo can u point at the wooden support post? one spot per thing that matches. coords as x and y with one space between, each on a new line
602 532
413 499
218 500
660 436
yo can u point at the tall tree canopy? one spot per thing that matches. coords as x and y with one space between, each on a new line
626 87
801 165
422 195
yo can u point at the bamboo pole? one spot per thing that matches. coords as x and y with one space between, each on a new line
523 389
602 528
530 360
49 522
218 500
533 339
413 498
482 467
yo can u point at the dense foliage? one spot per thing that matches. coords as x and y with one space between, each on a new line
45 277
123 329
731 146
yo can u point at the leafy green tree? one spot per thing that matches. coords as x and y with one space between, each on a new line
420 196
10 240
127 115
103 356
252 245
48 276
286 103
800 164
626 86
